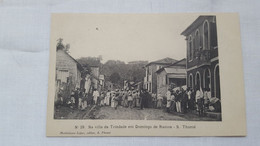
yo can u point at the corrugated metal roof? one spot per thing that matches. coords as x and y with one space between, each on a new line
181 62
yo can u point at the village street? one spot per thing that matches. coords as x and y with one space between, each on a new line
121 113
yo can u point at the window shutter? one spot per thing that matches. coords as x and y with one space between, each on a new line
213 34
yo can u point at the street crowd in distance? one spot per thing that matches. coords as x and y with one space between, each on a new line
177 100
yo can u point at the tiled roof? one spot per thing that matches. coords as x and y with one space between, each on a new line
166 61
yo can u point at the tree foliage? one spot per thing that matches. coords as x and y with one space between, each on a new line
130 72
115 71
89 61
61 46
115 77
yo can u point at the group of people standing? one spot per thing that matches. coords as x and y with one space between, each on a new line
183 101
78 99
125 98
180 100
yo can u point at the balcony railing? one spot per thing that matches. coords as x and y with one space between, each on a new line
202 57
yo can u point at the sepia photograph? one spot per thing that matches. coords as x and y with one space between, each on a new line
145 75
138 69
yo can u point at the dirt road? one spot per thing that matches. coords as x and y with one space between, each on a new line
121 113
146 114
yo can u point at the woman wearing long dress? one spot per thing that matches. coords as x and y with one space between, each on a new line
107 98
178 101
113 99
169 100
116 99
130 99
95 96
84 102
134 95
137 99
126 100
102 98
159 102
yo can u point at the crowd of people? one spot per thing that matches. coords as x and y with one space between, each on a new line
175 100
125 98
183 101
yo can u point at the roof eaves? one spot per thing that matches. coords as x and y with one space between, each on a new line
199 20
78 64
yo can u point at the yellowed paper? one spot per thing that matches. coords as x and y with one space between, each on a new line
198 51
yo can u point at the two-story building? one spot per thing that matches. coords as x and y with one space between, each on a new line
202 55
150 79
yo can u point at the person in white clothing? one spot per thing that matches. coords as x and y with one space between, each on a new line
107 98
113 99
178 101
159 101
102 98
95 96
199 100
84 102
169 100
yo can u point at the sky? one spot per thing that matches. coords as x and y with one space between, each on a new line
125 37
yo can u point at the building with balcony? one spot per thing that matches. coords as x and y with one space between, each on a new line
150 79
202 55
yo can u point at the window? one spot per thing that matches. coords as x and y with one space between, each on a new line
207 78
191 81
198 41
150 87
217 82
190 48
197 81
63 76
206 35
213 34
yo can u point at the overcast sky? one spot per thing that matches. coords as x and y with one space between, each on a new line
125 37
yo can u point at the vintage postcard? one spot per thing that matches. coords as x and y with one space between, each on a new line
146 75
